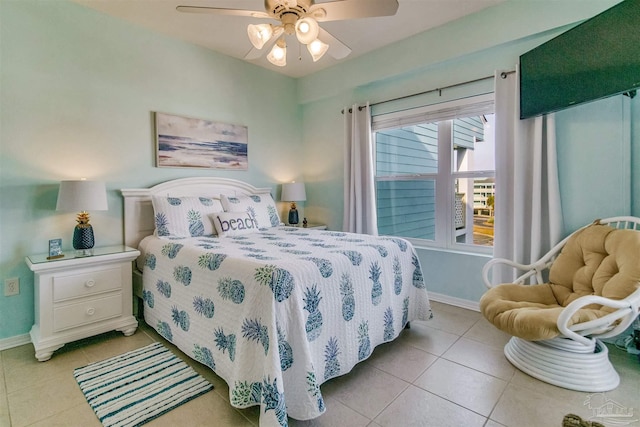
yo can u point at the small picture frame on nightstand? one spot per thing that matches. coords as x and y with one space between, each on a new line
55 249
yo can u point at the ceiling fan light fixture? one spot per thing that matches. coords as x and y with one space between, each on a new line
259 34
300 18
278 54
307 30
317 49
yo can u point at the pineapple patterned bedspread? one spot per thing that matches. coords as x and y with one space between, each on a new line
278 312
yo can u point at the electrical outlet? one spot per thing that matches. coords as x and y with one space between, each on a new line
11 286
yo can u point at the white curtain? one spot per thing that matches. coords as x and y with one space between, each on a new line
528 215
359 186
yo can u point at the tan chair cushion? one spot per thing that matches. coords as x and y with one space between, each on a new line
597 260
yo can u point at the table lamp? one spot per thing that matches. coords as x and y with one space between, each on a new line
293 192
83 196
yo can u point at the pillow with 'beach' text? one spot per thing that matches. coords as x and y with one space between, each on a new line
234 223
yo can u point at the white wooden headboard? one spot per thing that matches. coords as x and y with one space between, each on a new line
138 210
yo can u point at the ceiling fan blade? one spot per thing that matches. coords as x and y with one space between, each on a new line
223 11
353 9
337 49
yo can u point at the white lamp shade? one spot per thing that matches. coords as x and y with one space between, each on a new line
259 34
293 192
278 55
82 195
317 49
307 30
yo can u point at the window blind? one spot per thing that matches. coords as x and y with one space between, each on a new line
433 113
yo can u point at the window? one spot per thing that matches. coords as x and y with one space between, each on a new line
435 174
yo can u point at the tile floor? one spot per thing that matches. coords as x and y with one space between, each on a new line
449 371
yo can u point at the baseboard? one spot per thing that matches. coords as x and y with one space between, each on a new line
15 341
457 302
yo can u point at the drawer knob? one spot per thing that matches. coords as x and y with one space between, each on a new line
91 311
90 283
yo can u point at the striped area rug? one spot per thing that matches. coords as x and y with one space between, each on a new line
138 386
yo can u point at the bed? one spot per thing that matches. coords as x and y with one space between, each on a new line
274 310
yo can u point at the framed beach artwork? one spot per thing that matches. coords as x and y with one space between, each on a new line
186 142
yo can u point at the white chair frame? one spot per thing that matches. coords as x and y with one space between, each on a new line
577 359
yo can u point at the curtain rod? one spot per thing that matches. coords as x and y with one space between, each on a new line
503 75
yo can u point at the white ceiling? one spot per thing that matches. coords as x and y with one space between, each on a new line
228 34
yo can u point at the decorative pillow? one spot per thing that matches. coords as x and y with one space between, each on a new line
184 216
234 223
261 207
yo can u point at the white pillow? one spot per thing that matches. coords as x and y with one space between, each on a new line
234 223
187 216
261 207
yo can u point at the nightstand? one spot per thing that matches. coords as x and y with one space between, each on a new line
81 296
315 226
310 226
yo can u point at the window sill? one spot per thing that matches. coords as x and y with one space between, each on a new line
422 246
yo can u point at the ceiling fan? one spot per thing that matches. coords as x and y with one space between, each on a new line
301 17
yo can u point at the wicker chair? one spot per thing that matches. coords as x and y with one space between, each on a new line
592 292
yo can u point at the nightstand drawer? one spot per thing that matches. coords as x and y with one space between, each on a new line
79 285
85 312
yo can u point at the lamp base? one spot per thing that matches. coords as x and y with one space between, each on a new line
293 217
83 237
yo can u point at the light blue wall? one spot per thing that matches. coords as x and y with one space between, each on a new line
594 157
78 91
